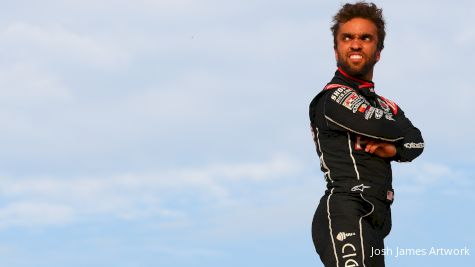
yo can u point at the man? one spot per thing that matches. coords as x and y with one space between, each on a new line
357 134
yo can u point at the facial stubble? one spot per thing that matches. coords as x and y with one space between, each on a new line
359 71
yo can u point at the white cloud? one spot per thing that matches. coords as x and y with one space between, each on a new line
193 96
20 83
28 92
32 213
45 200
255 45
420 177
465 37
27 41
175 7
182 252
170 8
278 166
287 208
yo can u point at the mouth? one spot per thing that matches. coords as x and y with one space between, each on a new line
356 58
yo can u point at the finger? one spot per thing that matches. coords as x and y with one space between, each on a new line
373 148
368 147
377 147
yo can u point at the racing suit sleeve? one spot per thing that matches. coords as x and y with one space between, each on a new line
412 145
344 109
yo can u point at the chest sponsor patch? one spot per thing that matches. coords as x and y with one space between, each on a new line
357 104
352 100
362 108
340 94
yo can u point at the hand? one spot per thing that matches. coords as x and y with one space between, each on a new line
381 149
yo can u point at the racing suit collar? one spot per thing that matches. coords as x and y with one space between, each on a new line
366 88
360 82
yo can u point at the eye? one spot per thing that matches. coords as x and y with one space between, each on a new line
366 38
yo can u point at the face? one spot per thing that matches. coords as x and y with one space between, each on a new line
356 49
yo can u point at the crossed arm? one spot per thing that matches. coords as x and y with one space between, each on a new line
381 149
387 135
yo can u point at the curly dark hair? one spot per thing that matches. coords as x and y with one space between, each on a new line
360 10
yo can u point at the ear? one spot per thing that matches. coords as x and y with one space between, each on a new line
336 54
378 55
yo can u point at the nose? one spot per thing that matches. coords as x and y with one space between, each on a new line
356 44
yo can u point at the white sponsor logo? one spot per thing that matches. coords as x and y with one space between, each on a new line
340 94
357 104
342 236
360 187
414 145
369 113
389 116
349 254
379 113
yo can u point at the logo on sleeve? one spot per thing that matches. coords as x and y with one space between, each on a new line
363 108
383 105
391 104
414 145
351 101
369 113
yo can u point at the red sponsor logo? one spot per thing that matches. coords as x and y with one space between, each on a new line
348 103
391 104
362 108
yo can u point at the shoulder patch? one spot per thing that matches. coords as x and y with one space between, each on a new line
391 104
341 93
335 85
349 98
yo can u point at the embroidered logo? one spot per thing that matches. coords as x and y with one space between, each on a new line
342 236
414 145
360 187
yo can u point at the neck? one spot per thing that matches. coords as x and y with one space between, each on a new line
366 80
369 75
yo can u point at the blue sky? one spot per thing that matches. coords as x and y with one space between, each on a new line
175 133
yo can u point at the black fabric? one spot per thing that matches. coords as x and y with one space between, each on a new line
344 117
347 228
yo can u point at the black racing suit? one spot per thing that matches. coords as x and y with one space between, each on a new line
354 215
